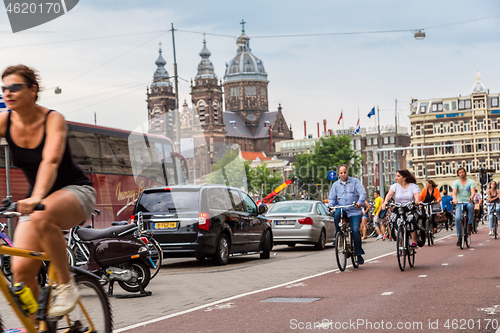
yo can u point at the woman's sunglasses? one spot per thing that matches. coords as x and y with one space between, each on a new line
14 87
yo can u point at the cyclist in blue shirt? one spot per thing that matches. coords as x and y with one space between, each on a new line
348 190
446 202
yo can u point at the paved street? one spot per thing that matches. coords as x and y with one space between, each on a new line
195 296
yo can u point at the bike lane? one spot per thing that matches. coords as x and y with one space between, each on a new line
448 290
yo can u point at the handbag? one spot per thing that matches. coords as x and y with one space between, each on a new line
381 214
436 208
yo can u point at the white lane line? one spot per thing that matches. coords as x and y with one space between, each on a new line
460 255
445 264
422 276
387 293
196 308
472 249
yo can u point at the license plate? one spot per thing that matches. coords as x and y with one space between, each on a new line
285 222
166 225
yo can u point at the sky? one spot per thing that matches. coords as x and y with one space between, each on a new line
102 54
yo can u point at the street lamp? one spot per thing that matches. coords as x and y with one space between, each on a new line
419 35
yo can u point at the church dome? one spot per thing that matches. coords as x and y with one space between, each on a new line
161 77
205 67
478 88
245 65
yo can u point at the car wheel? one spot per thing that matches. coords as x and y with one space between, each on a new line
221 255
266 246
320 245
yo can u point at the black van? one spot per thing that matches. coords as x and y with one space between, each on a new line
205 221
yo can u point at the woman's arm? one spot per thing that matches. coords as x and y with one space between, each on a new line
387 198
416 196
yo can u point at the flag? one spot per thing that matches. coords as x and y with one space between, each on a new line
371 113
358 128
3 107
341 116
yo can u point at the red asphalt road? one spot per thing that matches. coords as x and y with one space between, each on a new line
448 290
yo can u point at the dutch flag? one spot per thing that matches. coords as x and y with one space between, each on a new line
358 128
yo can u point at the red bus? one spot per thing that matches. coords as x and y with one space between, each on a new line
120 163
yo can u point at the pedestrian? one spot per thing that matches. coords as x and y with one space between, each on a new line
405 191
376 211
494 199
364 220
446 202
348 190
464 190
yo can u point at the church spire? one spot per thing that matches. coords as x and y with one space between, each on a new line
205 67
160 76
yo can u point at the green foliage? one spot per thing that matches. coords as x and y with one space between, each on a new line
229 170
329 153
262 176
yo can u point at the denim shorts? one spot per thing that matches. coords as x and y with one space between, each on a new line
86 196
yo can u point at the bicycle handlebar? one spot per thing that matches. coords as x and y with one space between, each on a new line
10 209
337 207
400 205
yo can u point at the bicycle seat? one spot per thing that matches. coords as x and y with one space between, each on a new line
112 232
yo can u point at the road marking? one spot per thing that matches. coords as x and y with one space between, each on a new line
220 307
472 249
491 310
296 285
422 276
481 244
445 264
387 293
460 255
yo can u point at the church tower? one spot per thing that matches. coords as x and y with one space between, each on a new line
245 84
206 97
161 101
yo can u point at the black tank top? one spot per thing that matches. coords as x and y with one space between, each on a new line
28 160
497 200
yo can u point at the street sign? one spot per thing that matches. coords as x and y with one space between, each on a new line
331 175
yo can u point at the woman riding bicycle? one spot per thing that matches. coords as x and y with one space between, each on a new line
428 195
494 199
37 138
405 190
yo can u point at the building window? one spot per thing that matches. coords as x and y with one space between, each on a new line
468 146
437 128
392 139
480 125
439 168
448 169
375 141
368 142
437 107
480 145
456 127
438 150
235 91
468 166
464 104
496 164
494 102
386 140
458 147
467 126
446 127
202 112
250 91
216 113
422 108
454 105
494 145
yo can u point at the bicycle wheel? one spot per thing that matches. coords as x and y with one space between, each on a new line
340 250
411 250
400 248
155 256
467 238
71 256
92 314
495 226
462 233
428 231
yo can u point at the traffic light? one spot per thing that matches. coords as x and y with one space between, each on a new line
484 176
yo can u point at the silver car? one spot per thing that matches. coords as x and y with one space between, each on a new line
301 221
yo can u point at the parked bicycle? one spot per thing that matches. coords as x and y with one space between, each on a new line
92 313
464 233
404 249
344 242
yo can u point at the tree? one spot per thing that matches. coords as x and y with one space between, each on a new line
229 170
262 179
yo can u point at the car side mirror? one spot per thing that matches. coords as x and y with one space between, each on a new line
262 209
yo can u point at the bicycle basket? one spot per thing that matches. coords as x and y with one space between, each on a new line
436 208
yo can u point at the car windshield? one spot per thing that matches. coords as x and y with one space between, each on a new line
170 200
292 207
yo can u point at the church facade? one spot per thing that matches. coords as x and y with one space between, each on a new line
243 93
